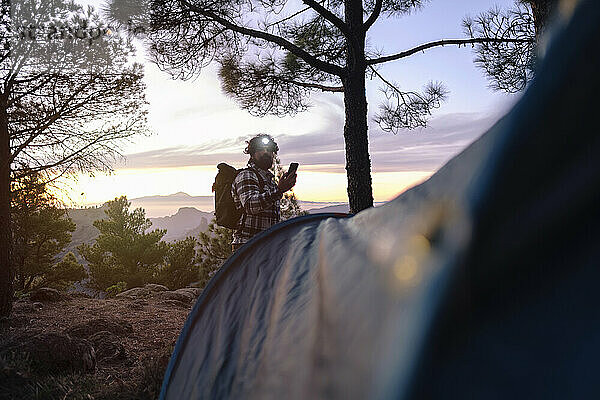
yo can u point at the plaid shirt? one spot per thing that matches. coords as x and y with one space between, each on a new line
260 205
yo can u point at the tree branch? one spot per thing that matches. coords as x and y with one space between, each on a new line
29 282
68 158
324 88
444 42
38 130
310 59
329 16
400 93
373 17
288 17
21 174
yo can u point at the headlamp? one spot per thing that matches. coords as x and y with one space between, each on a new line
261 142
267 144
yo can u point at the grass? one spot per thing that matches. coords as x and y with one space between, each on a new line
138 375
23 379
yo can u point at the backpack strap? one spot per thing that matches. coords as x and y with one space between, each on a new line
261 181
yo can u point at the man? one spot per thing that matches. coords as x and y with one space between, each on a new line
255 192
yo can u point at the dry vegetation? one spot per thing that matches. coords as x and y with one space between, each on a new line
132 340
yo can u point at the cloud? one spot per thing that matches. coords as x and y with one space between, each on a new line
425 149
429 148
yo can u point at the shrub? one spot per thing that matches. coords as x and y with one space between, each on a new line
41 230
124 250
64 273
115 289
181 265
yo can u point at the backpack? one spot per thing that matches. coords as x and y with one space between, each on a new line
226 213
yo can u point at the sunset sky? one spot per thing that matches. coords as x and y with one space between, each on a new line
195 126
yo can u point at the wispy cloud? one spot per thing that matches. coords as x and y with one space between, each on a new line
421 150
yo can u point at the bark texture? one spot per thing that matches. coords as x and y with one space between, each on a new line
358 162
542 11
6 289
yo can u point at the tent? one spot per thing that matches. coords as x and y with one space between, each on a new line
481 282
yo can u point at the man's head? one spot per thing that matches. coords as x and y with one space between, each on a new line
262 149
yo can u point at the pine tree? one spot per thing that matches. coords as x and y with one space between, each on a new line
69 95
41 230
214 249
272 54
124 251
64 273
181 265
511 65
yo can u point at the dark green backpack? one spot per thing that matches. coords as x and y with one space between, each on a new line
226 213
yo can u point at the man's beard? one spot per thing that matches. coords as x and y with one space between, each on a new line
265 162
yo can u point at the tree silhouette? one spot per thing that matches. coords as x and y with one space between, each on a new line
272 53
41 230
68 95
180 267
510 66
124 251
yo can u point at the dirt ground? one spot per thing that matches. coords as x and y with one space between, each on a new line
135 374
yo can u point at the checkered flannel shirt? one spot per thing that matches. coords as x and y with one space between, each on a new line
260 205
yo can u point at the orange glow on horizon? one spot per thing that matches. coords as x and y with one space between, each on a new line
312 185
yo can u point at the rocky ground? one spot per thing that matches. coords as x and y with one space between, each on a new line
57 346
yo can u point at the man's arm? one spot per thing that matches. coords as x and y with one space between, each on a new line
253 201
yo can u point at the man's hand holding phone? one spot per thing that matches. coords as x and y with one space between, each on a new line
288 180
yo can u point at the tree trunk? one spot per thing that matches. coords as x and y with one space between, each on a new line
358 162
6 289
542 11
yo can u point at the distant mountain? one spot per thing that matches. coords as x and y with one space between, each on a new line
85 232
188 221
311 205
175 197
181 224
159 206
339 208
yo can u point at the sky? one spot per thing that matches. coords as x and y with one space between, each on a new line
195 126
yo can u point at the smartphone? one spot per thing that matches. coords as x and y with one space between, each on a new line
292 169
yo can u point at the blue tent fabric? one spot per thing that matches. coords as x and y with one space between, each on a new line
479 283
